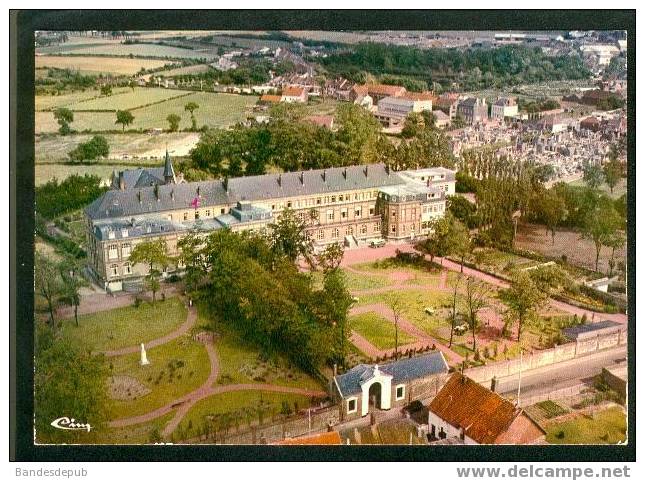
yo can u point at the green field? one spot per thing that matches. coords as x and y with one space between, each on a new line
50 102
166 379
46 172
215 110
241 407
126 326
378 331
604 427
135 434
126 100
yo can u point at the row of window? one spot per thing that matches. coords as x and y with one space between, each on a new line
113 251
349 230
114 269
325 200
433 208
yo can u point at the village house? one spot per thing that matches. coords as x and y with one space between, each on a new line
466 412
366 388
347 205
392 111
294 94
441 120
447 103
504 107
473 110
377 91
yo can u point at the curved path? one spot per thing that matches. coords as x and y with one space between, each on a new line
186 402
191 319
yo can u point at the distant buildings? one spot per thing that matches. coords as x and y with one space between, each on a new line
393 110
447 103
377 91
468 413
294 94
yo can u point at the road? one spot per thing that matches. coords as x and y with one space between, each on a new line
562 374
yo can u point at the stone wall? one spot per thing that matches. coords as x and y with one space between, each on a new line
548 356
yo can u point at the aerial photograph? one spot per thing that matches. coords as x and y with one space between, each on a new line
330 237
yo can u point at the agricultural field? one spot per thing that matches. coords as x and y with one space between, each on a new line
143 50
126 100
98 65
190 69
50 102
215 110
46 172
131 148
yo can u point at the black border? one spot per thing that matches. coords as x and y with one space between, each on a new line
24 23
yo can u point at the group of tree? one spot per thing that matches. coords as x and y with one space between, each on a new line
64 117
290 143
251 281
95 148
534 106
473 68
57 283
449 237
55 198
124 117
154 255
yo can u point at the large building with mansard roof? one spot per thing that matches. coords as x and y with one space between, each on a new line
350 205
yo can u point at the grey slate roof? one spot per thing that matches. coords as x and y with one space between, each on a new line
126 203
589 330
137 178
402 371
168 170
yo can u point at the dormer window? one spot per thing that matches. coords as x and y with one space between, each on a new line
111 234
124 232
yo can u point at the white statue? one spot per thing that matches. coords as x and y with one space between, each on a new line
144 358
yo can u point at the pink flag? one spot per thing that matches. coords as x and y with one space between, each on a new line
195 202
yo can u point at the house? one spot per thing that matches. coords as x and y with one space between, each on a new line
465 410
395 384
339 89
552 124
423 100
590 123
441 119
377 91
392 111
503 107
270 99
447 103
473 110
292 94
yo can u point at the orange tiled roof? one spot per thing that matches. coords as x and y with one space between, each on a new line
270 98
381 89
419 96
331 437
293 91
483 414
322 120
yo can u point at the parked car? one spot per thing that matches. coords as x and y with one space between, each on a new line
460 329
377 243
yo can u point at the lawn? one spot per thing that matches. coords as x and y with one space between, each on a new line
215 110
126 326
604 427
135 434
99 65
378 331
242 407
619 190
413 303
355 281
176 368
241 363
385 274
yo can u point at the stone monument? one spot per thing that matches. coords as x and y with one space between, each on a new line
144 357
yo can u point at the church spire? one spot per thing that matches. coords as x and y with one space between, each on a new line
168 171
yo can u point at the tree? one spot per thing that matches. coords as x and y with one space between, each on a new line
475 299
394 302
71 284
600 226
106 90
64 117
289 239
173 120
523 299
615 241
331 257
48 284
613 172
67 382
95 148
152 253
453 317
336 301
592 175
191 107
553 210
124 117
459 241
